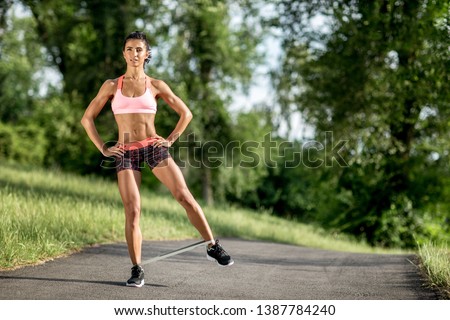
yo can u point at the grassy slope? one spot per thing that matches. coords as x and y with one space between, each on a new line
435 262
44 214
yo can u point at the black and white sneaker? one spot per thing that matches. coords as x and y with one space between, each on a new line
218 254
137 277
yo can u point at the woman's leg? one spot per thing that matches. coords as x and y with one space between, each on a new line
171 176
129 182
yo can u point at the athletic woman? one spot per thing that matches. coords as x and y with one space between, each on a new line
133 101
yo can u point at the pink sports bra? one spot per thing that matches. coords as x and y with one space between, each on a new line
143 104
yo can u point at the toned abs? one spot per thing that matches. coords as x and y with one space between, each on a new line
135 127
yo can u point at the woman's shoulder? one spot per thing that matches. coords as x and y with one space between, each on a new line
110 85
156 82
158 85
108 88
111 82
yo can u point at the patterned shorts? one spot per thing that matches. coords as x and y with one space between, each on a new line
134 159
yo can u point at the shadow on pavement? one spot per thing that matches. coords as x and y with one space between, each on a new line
111 283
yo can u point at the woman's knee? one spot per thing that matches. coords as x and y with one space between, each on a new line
184 196
132 213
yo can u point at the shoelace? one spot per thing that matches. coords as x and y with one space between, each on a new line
135 272
218 249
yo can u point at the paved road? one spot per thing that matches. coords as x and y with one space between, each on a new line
262 271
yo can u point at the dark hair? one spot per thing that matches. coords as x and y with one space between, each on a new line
140 36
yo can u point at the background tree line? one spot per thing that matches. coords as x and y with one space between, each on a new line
373 73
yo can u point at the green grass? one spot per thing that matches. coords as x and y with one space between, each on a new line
435 261
45 214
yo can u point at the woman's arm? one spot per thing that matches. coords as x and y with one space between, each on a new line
104 94
180 108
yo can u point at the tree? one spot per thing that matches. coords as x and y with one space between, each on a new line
21 59
83 40
4 7
209 59
377 77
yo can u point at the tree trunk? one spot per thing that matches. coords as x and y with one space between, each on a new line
207 192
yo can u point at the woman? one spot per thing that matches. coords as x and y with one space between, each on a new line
133 102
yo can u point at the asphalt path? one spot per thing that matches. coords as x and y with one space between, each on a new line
262 271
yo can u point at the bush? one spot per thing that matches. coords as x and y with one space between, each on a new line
23 143
70 149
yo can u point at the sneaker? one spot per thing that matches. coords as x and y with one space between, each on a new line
218 254
137 277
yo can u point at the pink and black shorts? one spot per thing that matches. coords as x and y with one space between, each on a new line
139 152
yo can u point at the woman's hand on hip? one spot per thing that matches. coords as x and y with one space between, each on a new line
161 142
114 151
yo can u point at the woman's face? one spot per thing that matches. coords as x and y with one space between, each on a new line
135 52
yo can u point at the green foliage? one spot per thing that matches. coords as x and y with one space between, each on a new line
84 39
20 60
375 78
25 144
69 146
209 59
244 167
